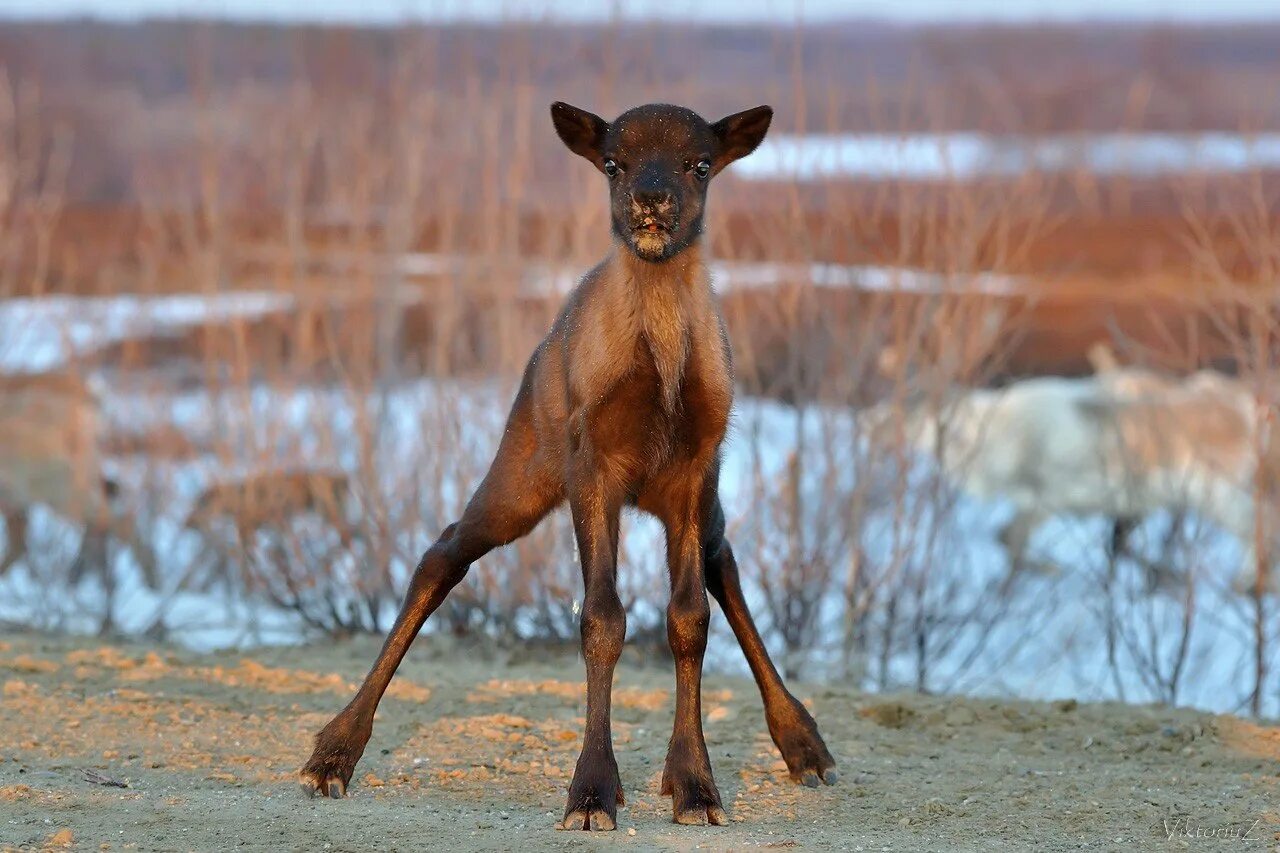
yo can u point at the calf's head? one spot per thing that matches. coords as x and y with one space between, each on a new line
659 159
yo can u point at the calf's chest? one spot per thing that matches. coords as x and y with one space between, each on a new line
656 413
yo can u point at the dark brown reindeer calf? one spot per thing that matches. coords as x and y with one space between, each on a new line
625 403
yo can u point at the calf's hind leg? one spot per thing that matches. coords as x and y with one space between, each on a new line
791 725
515 495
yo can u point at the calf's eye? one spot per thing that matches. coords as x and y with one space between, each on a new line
702 170
611 168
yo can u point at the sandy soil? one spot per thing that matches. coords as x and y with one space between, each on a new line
476 752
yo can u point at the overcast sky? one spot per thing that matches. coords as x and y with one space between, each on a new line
390 11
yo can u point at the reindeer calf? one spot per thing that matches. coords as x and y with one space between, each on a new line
625 403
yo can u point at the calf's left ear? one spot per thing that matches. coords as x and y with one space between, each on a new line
740 134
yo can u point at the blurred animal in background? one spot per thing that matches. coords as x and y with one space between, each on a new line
270 501
1123 443
50 456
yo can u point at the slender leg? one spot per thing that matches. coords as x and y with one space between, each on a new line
15 533
687 776
91 557
790 724
1121 528
1016 536
596 790
515 495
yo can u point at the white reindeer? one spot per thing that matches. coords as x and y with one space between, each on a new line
1123 443
49 455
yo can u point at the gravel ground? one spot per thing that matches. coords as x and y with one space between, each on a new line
143 747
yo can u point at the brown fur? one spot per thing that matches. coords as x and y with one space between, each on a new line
267 498
625 402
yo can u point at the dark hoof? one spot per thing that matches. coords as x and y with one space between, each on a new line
808 760
319 782
687 780
591 820
594 796
695 801
711 814
338 748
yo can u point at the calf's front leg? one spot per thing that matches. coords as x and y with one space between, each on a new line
516 493
596 790
687 776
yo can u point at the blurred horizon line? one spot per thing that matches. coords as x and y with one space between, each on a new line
391 13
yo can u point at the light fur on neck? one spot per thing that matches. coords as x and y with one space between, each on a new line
667 295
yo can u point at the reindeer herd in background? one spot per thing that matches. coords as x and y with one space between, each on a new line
52 456
1122 443
49 455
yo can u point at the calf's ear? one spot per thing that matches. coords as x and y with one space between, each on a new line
582 132
740 134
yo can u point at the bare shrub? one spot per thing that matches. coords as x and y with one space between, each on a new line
373 264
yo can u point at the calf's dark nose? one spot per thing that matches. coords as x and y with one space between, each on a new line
651 199
652 190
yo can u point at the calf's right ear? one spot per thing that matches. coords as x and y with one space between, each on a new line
581 131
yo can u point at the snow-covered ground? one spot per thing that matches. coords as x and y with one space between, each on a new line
44 333
544 279
802 494
1046 636
963 156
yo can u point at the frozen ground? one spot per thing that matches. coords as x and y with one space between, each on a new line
966 156
743 275
45 333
